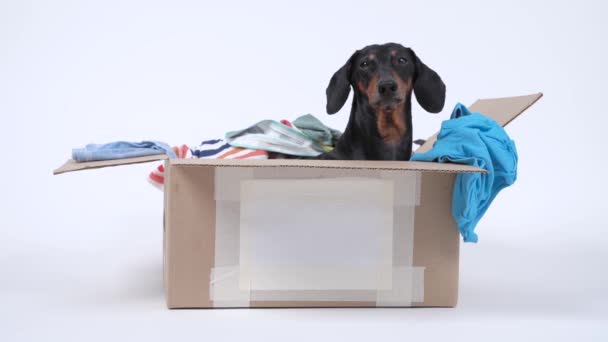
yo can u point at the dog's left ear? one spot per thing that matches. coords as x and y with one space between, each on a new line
339 88
428 88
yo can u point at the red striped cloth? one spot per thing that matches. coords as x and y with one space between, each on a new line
157 176
211 149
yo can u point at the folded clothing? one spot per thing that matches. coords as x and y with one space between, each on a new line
317 131
476 140
307 136
273 136
121 149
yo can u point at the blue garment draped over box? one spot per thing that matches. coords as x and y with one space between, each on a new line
476 140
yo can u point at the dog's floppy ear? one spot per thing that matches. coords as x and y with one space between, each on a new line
339 87
428 88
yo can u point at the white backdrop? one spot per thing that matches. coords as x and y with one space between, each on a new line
81 253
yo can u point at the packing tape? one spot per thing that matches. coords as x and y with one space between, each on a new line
395 282
403 235
294 234
407 288
315 296
311 173
315 278
224 288
227 179
407 186
227 233
228 182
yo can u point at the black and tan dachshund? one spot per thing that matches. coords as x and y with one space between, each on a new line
380 124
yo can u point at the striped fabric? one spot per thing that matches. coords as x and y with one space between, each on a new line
210 149
219 149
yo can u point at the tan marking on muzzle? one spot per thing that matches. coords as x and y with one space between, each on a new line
391 125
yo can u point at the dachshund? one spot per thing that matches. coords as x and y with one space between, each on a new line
380 124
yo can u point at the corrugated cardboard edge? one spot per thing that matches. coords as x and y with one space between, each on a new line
503 110
71 165
333 164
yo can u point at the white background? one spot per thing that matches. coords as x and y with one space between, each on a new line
80 254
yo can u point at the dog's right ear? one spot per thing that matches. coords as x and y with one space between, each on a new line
339 88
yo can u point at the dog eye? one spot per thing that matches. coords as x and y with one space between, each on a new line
402 60
364 64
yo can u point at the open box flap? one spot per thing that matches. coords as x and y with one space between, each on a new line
332 164
503 110
71 165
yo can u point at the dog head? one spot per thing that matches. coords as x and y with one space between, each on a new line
385 76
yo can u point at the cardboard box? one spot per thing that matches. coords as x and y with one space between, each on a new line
312 233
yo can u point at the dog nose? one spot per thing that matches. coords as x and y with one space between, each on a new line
387 87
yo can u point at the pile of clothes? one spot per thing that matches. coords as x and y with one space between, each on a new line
306 136
466 138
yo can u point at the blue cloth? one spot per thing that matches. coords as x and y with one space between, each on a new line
476 140
121 149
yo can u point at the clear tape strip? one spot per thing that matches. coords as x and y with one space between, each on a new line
224 288
228 182
227 233
407 288
292 233
317 277
227 288
407 186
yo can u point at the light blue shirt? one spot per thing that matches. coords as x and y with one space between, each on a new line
476 140
121 149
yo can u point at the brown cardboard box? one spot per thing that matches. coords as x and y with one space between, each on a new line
308 233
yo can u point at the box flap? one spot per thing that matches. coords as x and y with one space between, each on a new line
71 165
503 110
332 164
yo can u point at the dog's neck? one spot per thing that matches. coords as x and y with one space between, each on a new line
362 128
